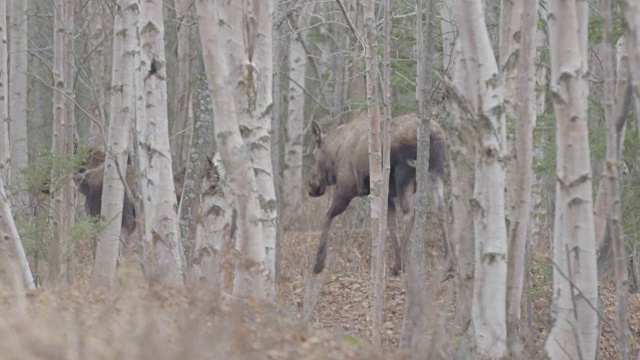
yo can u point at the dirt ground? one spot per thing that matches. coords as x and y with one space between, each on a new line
136 321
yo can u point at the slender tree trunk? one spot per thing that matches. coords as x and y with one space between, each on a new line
98 127
124 37
183 91
461 150
575 330
414 320
18 101
5 148
220 27
202 144
378 198
615 120
68 148
631 14
295 119
12 246
59 193
525 119
485 95
159 201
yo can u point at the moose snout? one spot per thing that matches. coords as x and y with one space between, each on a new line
315 188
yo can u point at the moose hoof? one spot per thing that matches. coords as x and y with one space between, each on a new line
395 271
318 267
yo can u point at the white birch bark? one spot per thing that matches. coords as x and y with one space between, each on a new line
376 177
416 306
98 127
62 144
485 94
124 40
461 150
575 331
11 245
292 175
69 133
252 93
159 201
214 228
5 149
523 175
616 120
221 33
631 14
179 143
18 100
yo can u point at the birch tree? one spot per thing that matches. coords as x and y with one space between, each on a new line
615 117
183 93
5 149
523 107
152 126
17 11
461 150
255 116
221 34
11 244
415 310
575 297
124 40
97 127
484 96
631 14
376 175
63 131
292 176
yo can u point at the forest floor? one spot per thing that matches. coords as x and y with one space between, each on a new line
137 321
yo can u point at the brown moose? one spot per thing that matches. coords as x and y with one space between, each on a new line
342 159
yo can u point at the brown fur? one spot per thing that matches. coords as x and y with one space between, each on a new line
342 159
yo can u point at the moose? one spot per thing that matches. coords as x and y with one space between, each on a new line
342 159
90 183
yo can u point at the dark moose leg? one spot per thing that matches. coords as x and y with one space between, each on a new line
338 205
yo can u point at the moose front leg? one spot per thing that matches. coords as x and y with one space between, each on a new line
338 205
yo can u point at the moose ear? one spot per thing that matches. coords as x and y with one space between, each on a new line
317 132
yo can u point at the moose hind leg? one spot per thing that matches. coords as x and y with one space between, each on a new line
392 226
338 205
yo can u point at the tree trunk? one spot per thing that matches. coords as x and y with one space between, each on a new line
18 100
485 95
575 330
12 246
461 150
520 208
215 227
61 259
5 149
124 37
202 143
183 91
616 119
376 178
631 14
98 127
219 21
158 192
295 115
414 319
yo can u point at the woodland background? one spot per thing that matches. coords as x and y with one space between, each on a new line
60 58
